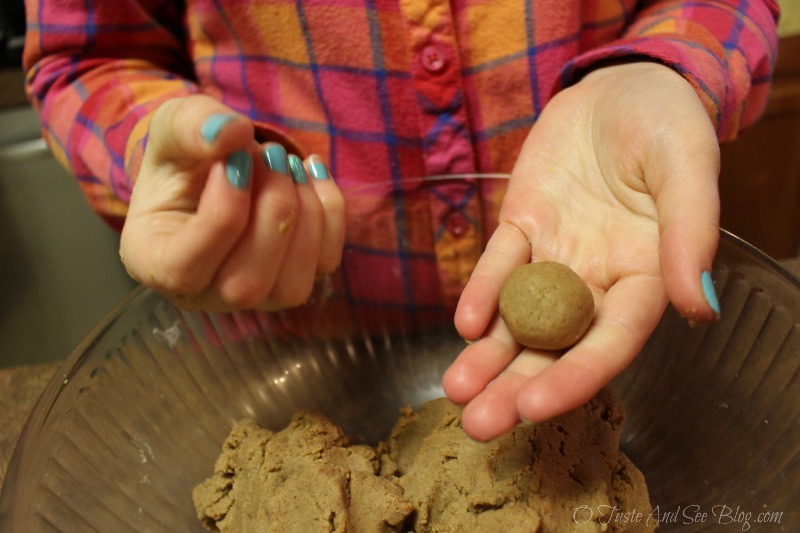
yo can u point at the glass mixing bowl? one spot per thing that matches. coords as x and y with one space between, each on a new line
136 416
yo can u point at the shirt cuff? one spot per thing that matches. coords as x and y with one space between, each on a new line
721 87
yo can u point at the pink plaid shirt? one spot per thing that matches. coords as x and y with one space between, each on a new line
384 90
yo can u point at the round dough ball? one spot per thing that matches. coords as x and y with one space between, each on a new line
546 306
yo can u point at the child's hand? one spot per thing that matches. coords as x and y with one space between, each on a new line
618 180
217 222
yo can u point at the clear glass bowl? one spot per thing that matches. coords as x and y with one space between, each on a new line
136 415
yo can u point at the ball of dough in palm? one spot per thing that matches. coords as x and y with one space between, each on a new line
546 305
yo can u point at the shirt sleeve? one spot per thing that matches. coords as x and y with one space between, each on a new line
725 48
96 71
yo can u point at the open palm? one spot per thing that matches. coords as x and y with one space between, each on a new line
618 180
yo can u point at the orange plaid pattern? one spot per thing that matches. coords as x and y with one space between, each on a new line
384 90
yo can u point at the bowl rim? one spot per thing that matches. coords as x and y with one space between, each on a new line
70 366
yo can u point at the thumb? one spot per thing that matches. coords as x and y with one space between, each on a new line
682 175
194 128
191 199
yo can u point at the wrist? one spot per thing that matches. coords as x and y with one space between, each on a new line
632 65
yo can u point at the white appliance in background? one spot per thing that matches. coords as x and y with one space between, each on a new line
59 264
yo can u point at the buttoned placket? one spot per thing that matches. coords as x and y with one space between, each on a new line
446 143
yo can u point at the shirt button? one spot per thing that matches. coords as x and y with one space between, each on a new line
433 59
457 223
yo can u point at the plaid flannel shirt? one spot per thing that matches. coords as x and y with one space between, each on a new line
384 90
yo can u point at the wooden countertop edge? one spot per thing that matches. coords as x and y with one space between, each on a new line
20 388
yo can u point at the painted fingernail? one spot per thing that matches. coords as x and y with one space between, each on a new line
318 169
276 159
298 171
709 292
239 166
214 124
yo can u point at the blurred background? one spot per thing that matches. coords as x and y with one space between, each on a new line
59 268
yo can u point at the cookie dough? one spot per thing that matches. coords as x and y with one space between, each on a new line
428 476
307 477
546 305
564 475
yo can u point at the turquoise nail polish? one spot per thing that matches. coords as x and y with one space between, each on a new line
239 166
214 124
318 169
709 291
276 159
298 171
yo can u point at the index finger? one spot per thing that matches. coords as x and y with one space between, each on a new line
507 248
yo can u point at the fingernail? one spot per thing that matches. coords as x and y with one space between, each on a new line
214 124
318 169
709 292
298 171
276 159
238 167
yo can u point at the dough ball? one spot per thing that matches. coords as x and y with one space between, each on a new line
546 305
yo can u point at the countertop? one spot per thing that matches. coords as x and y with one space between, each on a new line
21 386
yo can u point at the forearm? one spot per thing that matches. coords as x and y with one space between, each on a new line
95 91
726 49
